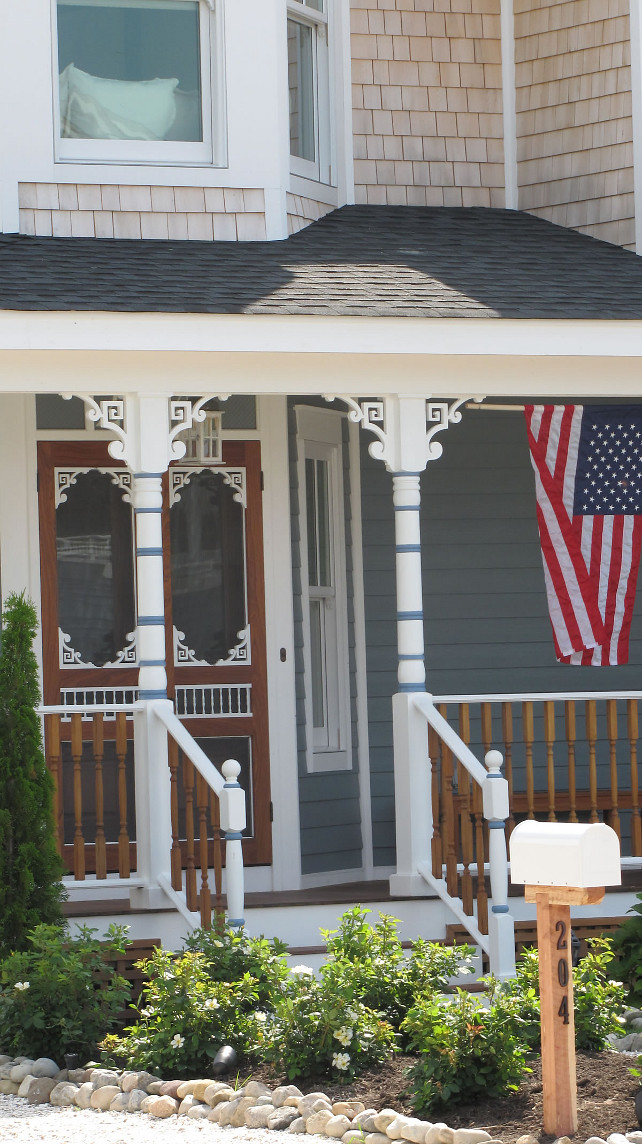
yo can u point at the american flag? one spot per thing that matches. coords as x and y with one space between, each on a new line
588 478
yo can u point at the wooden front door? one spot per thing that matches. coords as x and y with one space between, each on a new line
214 598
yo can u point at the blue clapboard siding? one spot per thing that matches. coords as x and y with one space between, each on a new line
487 627
329 807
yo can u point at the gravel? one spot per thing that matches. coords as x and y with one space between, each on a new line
30 1124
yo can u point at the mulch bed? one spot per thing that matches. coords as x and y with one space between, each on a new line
605 1098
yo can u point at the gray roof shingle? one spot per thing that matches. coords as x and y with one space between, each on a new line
367 261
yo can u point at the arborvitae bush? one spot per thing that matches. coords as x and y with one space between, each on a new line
30 868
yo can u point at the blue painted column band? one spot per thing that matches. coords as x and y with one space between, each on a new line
407 508
407 548
157 511
149 551
411 655
151 621
410 615
149 476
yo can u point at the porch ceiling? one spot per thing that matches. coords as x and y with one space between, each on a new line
358 261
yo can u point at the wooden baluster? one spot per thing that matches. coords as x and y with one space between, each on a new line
463 782
190 873
176 863
611 732
202 800
571 736
215 818
121 755
549 739
448 813
76 754
529 735
435 845
99 751
632 731
487 740
54 765
480 854
507 735
590 712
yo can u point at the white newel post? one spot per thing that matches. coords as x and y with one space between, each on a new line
501 927
233 822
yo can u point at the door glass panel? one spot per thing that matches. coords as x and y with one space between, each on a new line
208 566
94 551
316 663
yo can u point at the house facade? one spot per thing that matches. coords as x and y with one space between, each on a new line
274 292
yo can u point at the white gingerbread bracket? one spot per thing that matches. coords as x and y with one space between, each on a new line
405 427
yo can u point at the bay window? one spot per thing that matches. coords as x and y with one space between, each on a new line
138 80
308 89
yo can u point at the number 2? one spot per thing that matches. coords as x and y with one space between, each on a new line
561 941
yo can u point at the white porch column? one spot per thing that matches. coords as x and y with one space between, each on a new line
405 428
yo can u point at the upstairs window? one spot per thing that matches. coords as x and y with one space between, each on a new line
136 81
308 86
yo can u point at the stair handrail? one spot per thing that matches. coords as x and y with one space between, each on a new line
190 747
424 703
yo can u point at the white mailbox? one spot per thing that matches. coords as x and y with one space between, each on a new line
565 854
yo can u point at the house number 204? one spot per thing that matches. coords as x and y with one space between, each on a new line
562 970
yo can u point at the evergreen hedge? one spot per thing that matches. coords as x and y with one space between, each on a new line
30 867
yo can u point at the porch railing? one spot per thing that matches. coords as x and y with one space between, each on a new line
568 757
136 798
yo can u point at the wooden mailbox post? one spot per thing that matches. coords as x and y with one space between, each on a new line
561 865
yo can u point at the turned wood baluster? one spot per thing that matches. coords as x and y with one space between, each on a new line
215 819
123 833
507 735
571 736
467 852
449 812
482 896
591 735
202 801
190 872
549 739
99 751
529 735
611 733
632 731
435 845
54 764
176 863
487 740
76 755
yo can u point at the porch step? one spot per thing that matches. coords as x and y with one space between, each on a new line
526 932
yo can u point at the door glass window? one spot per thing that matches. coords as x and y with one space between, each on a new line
95 560
207 535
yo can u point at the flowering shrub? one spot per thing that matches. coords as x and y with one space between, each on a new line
465 1048
315 1030
230 954
367 963
598 1000
61 996
185 1016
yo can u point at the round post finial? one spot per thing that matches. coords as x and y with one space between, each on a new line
231 770
494 761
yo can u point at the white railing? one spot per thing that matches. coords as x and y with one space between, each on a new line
165 757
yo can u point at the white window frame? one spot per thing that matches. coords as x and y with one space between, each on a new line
320 437
209 151
318 170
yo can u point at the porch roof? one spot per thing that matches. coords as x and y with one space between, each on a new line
366 261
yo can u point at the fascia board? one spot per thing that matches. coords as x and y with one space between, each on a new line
300 334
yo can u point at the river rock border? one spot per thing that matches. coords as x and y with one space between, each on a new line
254 1105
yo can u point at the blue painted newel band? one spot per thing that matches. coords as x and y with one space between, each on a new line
499 909
233 836
496 824
236 923
160 694
412 687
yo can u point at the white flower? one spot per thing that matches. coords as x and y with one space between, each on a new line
302 970
177 1041
341 1061
21 986
211 1003
343 1035
261 1016
352 1016
147 1012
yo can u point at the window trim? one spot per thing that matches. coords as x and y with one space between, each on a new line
318 170
320 436
210 151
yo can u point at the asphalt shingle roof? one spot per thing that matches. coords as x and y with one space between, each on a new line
360 260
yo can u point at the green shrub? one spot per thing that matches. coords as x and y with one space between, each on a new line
319 1029
30 868
598 999
230 955
185 1015
61 996
466 1049
366 963
627 946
